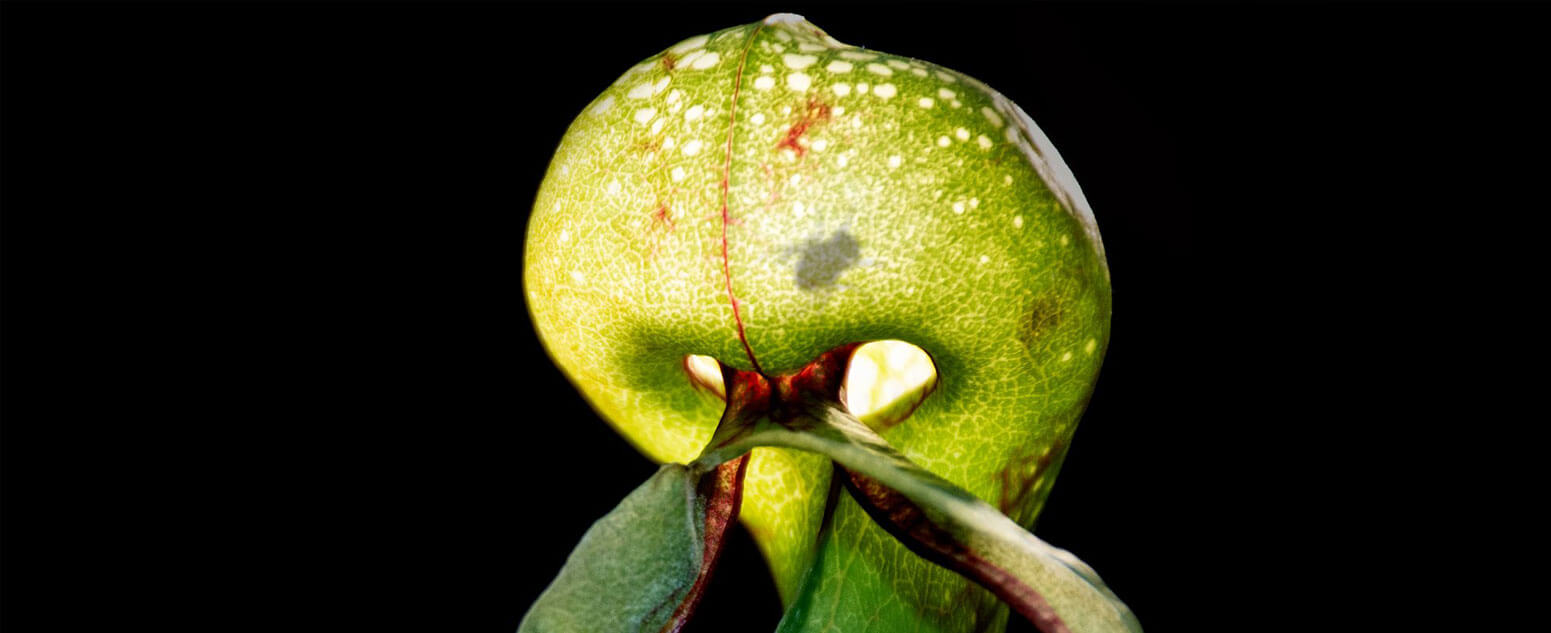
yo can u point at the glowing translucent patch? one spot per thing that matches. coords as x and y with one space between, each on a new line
893 161
674 96
899 64
644 115
693 147
942 141
690 44
678 174
947 77
946 93
706 61
985 143
962 134
657 126
798 62
758 118
705 372
861 88
798 81
925 102
604 106
694 113
1093 344
992 116
880 69
958 207
857 56
764 82
885 380
838 66
1017 221
885 91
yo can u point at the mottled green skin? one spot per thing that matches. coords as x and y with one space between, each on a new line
827 241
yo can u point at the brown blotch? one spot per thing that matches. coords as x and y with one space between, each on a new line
813 113
1044 314
1021 478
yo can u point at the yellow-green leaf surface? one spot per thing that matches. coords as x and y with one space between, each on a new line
765 193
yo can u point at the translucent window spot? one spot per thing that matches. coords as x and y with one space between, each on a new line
764 82
691 148
690 44
925 102
962 134
678 174
985 143
758 118
1017 221
861 88
992 116
1093 344
838 66
705 373
946 93
798 81
884 91
899 64
942 141
894 161
880 69
798 62
947 77
706 61
644 115
886 380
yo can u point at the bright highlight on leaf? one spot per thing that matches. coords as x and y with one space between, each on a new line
886 380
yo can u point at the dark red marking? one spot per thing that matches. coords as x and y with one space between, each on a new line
815 112
663 215
723 491
668 62
732 124
910 525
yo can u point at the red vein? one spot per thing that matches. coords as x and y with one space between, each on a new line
732 125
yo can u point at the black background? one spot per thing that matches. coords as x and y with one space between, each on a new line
267 355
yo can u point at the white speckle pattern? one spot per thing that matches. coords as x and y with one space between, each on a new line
798 62
947 77
798 81
992 116
1066 357
919 72
644 115
984 259
861 88
974 203
962 134
604 106
1017 221
657 126
613 187
879 69
942 141
925 102
694 113
820 145
766 68
674 96
983 141
758 118
678 174
899 64
706 61
565 235
1093 344
838 66
578 277
1065 240
946 93
693 147
764 82
894 161
884 91
958 207
857 56
842 160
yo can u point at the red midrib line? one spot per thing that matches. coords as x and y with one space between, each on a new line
732 124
